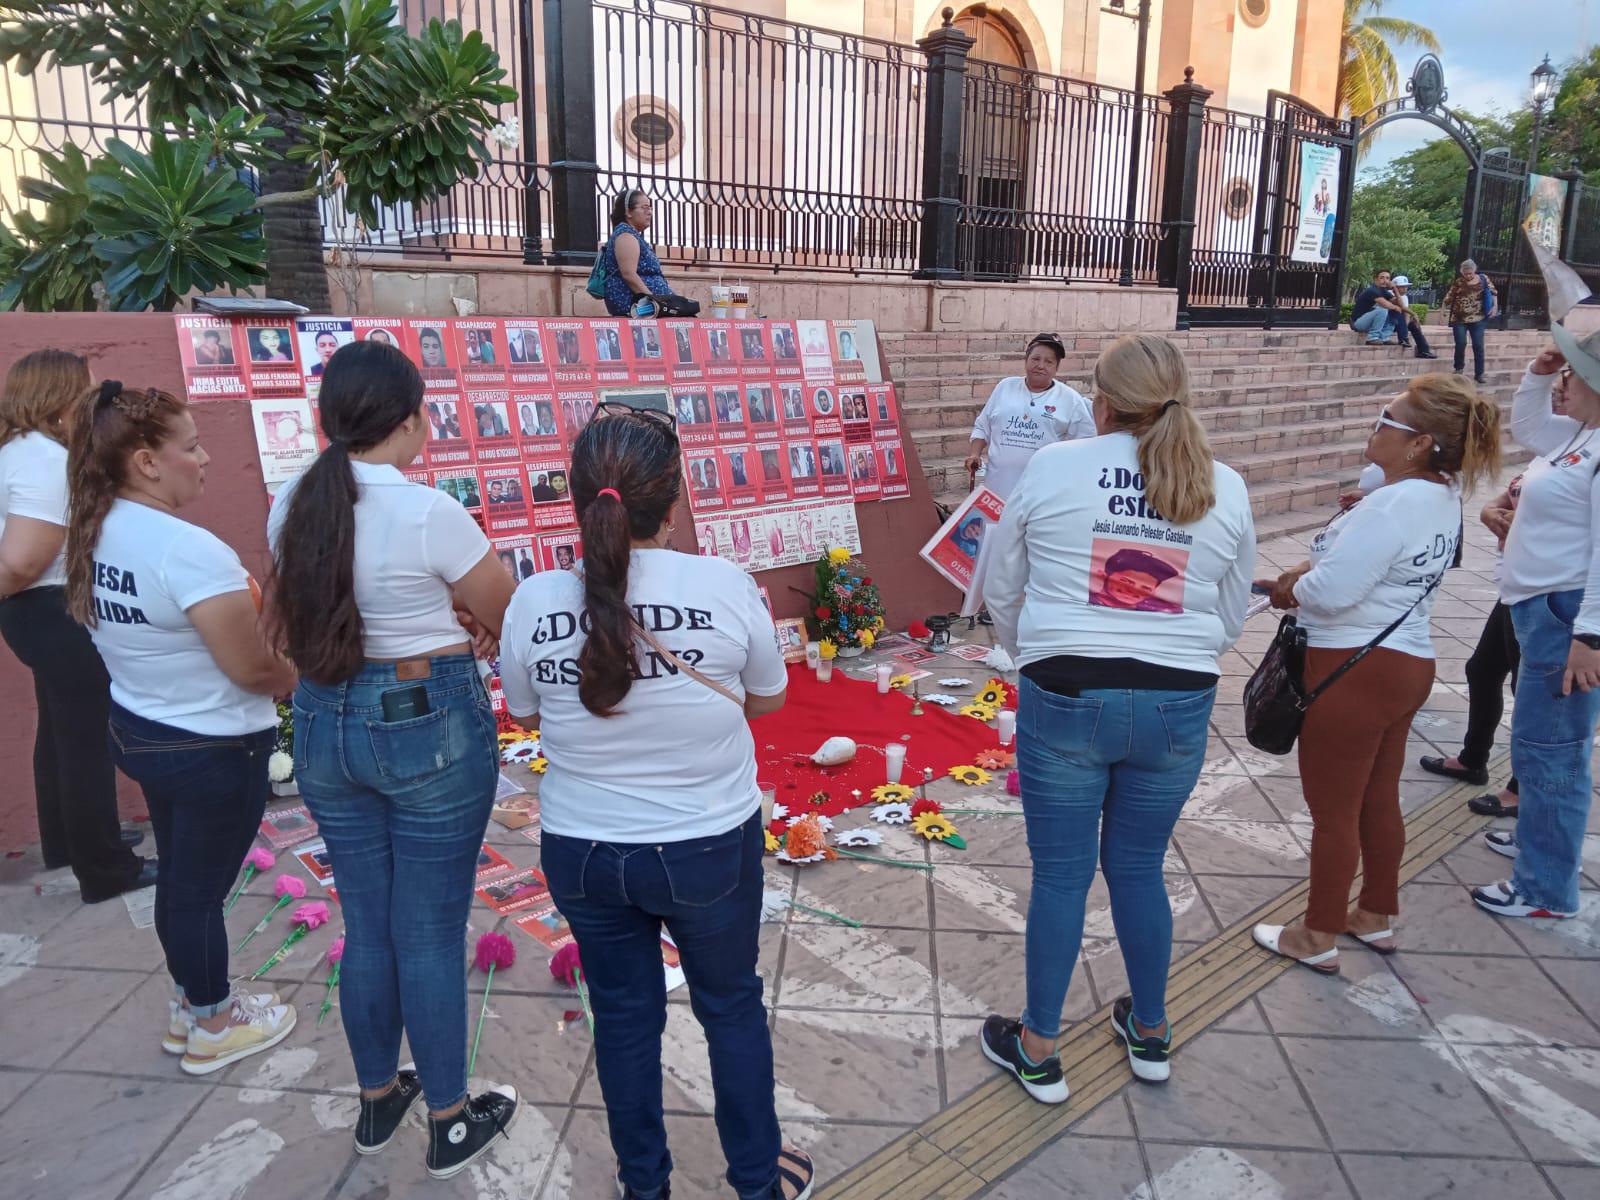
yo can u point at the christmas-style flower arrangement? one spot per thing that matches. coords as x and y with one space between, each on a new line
847 608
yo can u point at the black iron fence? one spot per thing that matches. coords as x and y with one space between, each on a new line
1583 230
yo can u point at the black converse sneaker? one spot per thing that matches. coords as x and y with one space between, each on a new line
380 1117
1002 1044
1147 1055
457 1140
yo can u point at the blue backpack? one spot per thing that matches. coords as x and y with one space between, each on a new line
597 277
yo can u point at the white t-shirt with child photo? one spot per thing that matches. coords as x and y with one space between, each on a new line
677 760
150 568
33 483
1016 422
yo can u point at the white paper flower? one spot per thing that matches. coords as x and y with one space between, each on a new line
784 856
941 698
280 767
780 811
955 681
523 751
773 905
892 814
825 822
858 837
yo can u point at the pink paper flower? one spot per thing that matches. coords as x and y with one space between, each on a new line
336 950
494 950
313 916
261 859
1014 783
566 964
289 885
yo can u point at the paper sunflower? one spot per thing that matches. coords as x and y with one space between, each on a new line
892 793
936 827
993 694
971 776
995 760
980 712
892 814
858 837
507 736
942 698
539 765
955 681
900 683
773 844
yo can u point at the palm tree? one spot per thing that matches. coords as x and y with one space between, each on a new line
1367 72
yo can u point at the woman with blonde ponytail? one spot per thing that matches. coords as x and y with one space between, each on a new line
74 783
1121 574
1370 581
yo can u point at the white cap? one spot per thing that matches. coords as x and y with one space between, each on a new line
1400 281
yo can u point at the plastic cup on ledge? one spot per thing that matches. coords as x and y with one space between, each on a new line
885 671
1008 726
824 669
894 760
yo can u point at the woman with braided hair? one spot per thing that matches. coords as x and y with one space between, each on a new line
174 615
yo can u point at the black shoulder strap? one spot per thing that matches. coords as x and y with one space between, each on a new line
1373 644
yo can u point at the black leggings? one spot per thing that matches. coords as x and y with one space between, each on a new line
1495 658
74 784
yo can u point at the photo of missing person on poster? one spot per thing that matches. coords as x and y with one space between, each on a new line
536 419
443 422
524 345
489 418
1136 577
547 487
430 349
646 341
794 402
758 398
270 343
212 348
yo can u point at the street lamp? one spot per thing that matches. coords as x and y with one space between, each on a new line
1118 8
1544 84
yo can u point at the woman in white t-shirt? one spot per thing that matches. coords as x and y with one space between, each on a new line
175 617
394 741
1550 580
1026 412
1121 574
74 783
1370 567
640 675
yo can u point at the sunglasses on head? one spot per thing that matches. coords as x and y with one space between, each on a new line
616 408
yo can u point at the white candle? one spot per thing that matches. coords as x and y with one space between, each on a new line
884 673
813 654
824 669
769 797
894 760
1008 725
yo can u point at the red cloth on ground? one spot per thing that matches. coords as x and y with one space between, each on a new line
852 708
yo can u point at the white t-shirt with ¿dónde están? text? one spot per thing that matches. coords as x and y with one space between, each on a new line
33 483
677 760
150 568
1016 422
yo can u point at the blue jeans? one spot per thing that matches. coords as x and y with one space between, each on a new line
1461 332
707 892
1551 739
1107 770
403 807
1377 324
206 796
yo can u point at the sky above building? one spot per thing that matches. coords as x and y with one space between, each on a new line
1488 48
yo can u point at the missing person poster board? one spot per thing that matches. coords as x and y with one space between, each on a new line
954 550
1319 203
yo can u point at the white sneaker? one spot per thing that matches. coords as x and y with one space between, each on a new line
180 1020
1504 900
260 1027
1502 841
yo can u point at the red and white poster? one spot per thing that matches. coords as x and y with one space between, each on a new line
548 493
320 339
953 550
428 344
816 349
286 438
529 366
851 341
729 408
781 535
772 477
883 407
785 350
854 413
684 346
574 356
211 358
649 353
575 408
863 460
272 358
719 361
824 403
448 441
692 406
561 551
494 437
794 413
481 352
460 483
831 467
761 408
386 331
506 507
610 361
804 479
895 481
702 476
534 414
516 554
739 476
751 349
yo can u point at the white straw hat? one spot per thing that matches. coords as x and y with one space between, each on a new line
1583 354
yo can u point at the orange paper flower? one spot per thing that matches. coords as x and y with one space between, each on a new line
995 760
806 837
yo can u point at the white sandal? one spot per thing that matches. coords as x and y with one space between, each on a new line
1326 963
1371 940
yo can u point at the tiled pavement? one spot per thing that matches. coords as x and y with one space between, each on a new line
1466 1066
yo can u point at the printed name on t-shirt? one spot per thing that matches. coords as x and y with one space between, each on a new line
657 618
115 579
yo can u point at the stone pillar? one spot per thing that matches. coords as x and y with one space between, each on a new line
569 105
1180 189
947 48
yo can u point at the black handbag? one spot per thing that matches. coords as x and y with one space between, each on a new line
1275 699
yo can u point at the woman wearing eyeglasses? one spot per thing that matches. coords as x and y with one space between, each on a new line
664 656
394 741
1372 566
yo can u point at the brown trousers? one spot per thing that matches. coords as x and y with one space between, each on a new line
1352 750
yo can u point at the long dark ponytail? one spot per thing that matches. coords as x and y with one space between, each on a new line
368 389
637 458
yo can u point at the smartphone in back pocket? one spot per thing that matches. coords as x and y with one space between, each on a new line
402 704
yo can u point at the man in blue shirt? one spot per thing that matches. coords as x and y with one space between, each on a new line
1376 313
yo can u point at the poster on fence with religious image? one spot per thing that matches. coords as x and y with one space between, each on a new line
481 352
549 494
211 354
739 480
428 345
804 478
684 344
761 408
823 400
864 481
320 339
894 481
494 434
529 364
702 477
449 442
570 347
533 416
547 926
561 551
505 499
1319 203
517 892
816 348
461 485
772 477
286 438
785 350
719 360
728 405
1547 202
517 554
953 550
794 412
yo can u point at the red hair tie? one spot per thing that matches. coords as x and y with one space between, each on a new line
612 492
